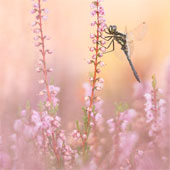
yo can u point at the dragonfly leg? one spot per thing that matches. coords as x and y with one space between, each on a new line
107 32
109 46
107 38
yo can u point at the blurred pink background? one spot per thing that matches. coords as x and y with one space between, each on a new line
69 28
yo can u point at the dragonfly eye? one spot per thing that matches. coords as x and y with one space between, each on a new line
112 28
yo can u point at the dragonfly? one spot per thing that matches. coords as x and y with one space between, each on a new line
126 41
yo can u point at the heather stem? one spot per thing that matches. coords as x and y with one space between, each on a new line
43 52
95 64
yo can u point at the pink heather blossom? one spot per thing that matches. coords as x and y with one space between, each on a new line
49 51
127 139
140 152
101 80
103 49
13 137
36 38
35 5
91 124
91 49
42 92
128 115
50 69
86 98
44 17
34 23
35 117
101 11
100 55
5 160
98 99
92 5
98 117
89 109
18 125
94 56
36 30
103 43
94 41
89 61
84 136
162 102
45 10
98 88
124 125
111 125
92 114
54 89
93 23
98 70
92 36
23 113
38 69
149 116
37 44
87 89
76 134
93 13
47 104
33 11
41 81
102 64
62 135
101 20
148 96
91 79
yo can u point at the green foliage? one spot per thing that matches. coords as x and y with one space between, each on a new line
91 74
85 120
77 125
41 106
121 107
52 82
154 82
53 110
28 105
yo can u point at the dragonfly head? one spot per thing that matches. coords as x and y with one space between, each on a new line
112 29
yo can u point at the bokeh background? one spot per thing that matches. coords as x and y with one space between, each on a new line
68 25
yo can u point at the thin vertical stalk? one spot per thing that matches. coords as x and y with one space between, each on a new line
43 51
95 64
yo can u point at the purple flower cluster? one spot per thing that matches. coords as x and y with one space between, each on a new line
121 137
155 112
45 131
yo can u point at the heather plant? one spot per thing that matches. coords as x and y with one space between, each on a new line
92 117
133 138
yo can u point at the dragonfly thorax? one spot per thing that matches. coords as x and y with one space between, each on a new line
112 29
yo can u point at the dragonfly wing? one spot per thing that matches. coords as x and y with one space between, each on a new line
137 33
130 47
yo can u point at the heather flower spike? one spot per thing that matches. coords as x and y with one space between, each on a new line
40 41
92 118
98 12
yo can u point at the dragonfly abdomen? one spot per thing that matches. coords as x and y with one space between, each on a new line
132 67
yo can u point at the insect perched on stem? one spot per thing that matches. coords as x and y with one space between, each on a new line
125 40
